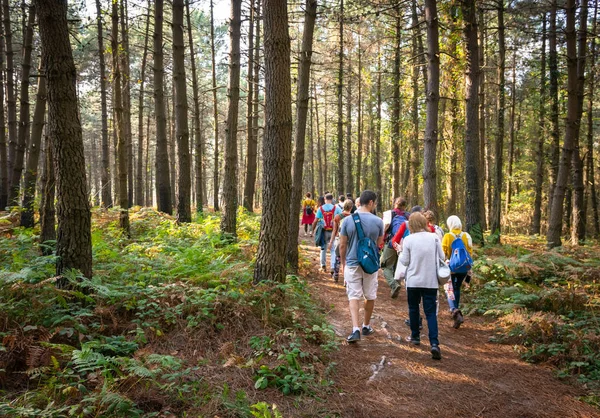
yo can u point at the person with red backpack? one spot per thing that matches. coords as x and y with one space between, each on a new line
335 238
389 258
458 249
325 219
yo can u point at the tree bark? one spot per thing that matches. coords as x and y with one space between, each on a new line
74 243
24 123
348 157
377 164
591 179
555 133
139 183
539 169
395 134
302 97
433 98
163 181
3 156
47 209
359 124
579 221
31 170
230 198
277 144
11 100
321 162
120 122
215 110
126 82
413 191
340 117
511 144
556 214
252 145
483 174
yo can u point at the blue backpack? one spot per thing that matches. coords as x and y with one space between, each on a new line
367 251
397 220
460 260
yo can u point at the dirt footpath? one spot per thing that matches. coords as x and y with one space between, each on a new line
384 376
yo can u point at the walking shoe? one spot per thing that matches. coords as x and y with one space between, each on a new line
407 322
436 354
324 269
336 277
395 292
368 330
354 337
458 318
414 341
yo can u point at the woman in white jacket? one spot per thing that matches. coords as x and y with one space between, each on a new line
421 251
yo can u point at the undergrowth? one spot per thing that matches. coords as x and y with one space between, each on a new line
547 303
170 323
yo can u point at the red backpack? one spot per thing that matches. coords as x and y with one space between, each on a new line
328 218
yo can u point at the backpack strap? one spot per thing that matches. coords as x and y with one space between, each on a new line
358 226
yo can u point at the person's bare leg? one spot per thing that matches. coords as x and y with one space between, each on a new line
354 308
369 305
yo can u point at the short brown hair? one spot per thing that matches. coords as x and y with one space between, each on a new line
348 205
399 203
430 216
417 223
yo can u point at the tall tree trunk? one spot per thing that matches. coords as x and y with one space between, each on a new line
340 118
359 127
348 157
34 154
562 180
139 183
320 157
215 110
277 144
125 80
199 145
413 191
250 95
230 198
511 144
395 134
555 133
252 145
105 171
579 221
433 98
74 239
3 156
163 181
591 179
302 97
147 167
539 169
120 122
47 209
11 100
483 173
472 189
377 164
24 123
311 147
171 139
496 214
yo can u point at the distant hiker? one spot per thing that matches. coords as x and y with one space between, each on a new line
308 213
320 202
341 201
404 230
430 216
324 217
361 236
354 206
458 249
392 220
335 239
421 251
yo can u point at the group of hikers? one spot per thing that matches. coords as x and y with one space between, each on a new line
407 245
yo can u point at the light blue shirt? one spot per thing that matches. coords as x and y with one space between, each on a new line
327 207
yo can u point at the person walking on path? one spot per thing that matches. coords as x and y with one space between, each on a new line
325 216
349 197
341 201
392 220
452 244
308 214
421 252
359 284
430 216
334 247
404 230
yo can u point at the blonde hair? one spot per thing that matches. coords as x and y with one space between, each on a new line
417 223
348 205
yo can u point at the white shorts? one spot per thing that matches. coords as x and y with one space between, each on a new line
360 284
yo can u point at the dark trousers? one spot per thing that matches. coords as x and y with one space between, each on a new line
429 296
457 280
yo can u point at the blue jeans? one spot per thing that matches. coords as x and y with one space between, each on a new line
429 296
324 250
457 280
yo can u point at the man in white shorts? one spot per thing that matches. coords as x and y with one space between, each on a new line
360 285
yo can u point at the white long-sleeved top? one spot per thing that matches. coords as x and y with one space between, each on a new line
419 254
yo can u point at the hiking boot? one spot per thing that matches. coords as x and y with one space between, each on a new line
368 330
395 292
413 341
458 318
436 354
407 322
354 337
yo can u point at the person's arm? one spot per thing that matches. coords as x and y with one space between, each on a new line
343 246
381 234
317 218
336 223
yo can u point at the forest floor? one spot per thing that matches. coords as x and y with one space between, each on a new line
385 376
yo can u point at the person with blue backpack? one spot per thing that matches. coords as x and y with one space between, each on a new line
392 221
361 236
458 249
